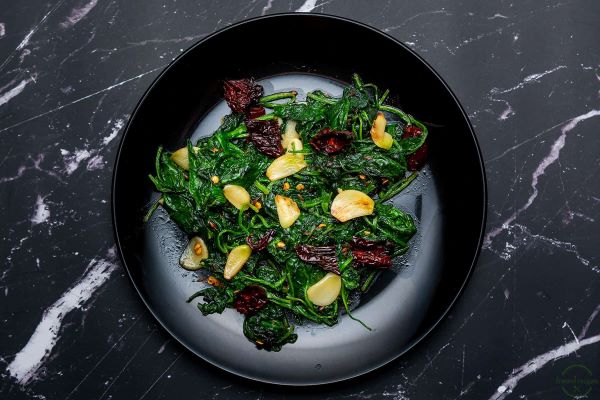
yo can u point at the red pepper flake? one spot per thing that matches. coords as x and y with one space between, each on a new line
329 141
250 300
370 253
262 242
241 94
266 136
417 159
323 256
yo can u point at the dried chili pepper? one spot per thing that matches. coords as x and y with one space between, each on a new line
370 252
255 112
323 256
262 242
266 136
417 159
241 94
331 142
250 300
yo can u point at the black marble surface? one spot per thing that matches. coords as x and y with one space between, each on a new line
528 74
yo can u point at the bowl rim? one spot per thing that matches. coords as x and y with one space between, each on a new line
410 345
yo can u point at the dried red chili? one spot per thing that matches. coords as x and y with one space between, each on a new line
417 159
262 242
323 256
331 142
250 300
370 253
241 94
266 136
255 112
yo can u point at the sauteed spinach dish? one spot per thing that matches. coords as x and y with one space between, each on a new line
286 204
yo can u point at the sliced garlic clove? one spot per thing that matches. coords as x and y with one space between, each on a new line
193 254
324 292
287 211
380 137
181 157
236 260
349 204
285 165
237 195
289 134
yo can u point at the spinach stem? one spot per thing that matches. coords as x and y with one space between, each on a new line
278 96
152 209
397 187
365 286
407 118
261 187
320 98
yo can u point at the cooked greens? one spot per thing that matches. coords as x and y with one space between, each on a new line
286 209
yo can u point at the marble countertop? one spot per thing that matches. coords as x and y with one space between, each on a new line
528 75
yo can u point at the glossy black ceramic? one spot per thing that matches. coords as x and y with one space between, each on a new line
448 199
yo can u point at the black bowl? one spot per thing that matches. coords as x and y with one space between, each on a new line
448 199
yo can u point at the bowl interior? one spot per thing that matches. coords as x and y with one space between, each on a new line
305 52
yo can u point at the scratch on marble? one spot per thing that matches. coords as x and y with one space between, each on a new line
41 211
536 363
102 358
27 362
29 34
547 161
78 13
160 377
403 23
111 87
134 355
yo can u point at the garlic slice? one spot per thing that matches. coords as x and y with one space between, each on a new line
237 195
289 134
285 165
193 254
324 292
349 204
236 260
181 157
381 138
287 211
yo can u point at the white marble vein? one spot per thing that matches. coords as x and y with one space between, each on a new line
15 91
41 211
308 6
114 131
547 161
2 29
533 365
267 7
529 79
24 367
78 13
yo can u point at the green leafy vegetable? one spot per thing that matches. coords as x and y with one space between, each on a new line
195 201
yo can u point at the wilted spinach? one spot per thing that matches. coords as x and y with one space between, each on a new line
285 263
